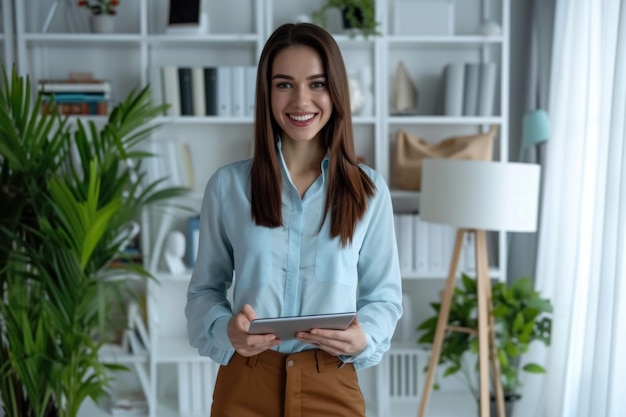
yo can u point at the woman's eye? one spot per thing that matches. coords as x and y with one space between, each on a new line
318 84
283 85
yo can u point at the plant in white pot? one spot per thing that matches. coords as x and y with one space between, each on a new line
521 317
357 15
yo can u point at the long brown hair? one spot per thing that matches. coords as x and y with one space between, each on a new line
348 186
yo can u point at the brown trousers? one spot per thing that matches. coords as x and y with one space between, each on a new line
273 384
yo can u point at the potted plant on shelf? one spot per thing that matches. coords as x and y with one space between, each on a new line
521 317
358 16
103 14
68 193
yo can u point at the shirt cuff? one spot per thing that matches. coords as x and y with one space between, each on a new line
218 334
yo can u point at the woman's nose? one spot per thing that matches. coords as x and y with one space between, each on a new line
301 95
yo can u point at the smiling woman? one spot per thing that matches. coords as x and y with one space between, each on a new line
309 231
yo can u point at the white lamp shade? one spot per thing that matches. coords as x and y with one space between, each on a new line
480 195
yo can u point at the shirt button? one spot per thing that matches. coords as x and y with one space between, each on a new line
291 363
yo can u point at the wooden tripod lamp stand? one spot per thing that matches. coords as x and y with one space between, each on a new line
476 197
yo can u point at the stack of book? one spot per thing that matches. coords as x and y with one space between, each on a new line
75 96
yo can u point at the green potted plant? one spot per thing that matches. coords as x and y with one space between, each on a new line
68 193
358 15
521 317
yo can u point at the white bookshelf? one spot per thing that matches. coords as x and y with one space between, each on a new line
131 58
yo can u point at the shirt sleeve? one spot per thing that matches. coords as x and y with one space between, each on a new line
208 309
379 303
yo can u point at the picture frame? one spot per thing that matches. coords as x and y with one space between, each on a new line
186 16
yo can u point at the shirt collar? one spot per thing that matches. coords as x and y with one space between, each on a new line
283 165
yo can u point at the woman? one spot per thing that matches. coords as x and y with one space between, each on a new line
308 231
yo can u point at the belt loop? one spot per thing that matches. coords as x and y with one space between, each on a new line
252 361
319 359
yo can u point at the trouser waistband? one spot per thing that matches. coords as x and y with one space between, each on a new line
309 358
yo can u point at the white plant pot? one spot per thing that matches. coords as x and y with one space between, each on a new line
103 23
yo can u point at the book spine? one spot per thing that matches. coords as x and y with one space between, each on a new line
454 79
470 103
186 91
238 96
421 246
250 91
404 240
197 82
170 86
224 101
99 87
210 91
487 89
435 236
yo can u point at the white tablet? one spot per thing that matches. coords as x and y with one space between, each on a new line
286 327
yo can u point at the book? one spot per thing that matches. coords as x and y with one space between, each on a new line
487 89
404 240
197 84
171 87
250 91
422 246
185 165
185 91
83 108
453 91
210 91
224 101
470 99
74 97
179 164
75 86
435 248
238 96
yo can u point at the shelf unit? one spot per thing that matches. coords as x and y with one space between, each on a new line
132 57
7 41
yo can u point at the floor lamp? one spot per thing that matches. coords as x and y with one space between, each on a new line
476 197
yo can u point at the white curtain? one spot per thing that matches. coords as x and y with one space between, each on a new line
581 263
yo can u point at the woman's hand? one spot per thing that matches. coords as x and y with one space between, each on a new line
347 342
244 343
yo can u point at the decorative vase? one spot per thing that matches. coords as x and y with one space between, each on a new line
103 23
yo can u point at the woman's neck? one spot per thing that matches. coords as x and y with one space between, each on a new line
302 157
303 160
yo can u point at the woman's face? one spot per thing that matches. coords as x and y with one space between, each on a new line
300 99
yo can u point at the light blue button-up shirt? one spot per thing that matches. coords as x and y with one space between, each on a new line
296 269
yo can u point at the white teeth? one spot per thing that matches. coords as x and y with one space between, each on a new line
301 118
